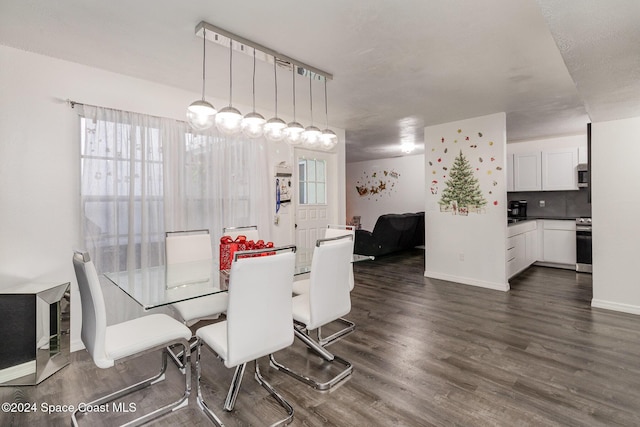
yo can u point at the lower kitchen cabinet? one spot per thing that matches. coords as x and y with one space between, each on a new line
545 242
522 247
559 242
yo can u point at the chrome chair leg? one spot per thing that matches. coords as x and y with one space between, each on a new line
201 403
350 327
286 405
234 388
178 358
232 394
180 403
302 334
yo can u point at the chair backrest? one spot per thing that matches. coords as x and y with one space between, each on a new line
329 297
341 230
94 317
185 246
250 231
259 315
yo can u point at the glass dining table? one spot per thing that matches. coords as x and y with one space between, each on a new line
162 285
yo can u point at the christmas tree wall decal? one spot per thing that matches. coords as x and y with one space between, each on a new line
462 193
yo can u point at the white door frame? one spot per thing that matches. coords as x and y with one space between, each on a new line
318 216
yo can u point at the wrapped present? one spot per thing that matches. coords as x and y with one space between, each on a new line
268 245
260 244
228 247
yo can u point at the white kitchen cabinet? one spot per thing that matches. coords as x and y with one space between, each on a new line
583 155
522 247
559 169
515 254
531 249
527 171
510 184
546 165
559 242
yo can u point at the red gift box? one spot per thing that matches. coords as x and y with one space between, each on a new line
228 247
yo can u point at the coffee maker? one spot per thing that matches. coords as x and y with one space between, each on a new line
517 209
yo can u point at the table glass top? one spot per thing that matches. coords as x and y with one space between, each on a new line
167 284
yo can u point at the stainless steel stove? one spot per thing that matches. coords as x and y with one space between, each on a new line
583 245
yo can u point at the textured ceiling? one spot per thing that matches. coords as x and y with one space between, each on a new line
397 66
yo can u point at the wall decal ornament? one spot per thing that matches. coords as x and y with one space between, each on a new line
468 174
374 185
462 193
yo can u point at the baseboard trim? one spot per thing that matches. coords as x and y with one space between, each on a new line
76 345
615 306
467 281
555 265
17 371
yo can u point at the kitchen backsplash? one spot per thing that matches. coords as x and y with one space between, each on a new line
571 204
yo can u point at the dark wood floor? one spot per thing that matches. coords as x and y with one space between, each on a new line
426 352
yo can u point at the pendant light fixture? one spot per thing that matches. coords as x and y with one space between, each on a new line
311 134
253 123
293 131
328 139
273 129
228 119
201 114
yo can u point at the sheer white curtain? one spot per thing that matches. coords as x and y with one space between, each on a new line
143 175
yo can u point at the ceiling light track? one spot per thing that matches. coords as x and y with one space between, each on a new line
223 37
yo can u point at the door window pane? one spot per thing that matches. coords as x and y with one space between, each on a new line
321 193
312 182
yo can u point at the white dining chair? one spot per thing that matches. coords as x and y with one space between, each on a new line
259 321
249 231
328 299
302 286
194 245
132 338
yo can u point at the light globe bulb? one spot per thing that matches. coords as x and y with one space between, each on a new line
328 139
201 115
293 133
274 129
253 125
311 136
228 120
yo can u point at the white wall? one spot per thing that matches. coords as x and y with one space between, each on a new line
615 203
467 249
402 194
39 159
567 141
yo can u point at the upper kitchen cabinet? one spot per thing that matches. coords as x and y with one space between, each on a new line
545 165
560 169
527 172
510 179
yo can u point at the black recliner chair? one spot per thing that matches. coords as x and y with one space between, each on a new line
392 233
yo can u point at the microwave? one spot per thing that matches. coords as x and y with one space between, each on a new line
583 175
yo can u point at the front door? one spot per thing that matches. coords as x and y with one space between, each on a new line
313 176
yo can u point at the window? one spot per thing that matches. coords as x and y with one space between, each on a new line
122 190
142 176
312 182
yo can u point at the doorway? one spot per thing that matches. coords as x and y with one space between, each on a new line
313 175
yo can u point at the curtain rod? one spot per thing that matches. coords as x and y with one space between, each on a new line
73 104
